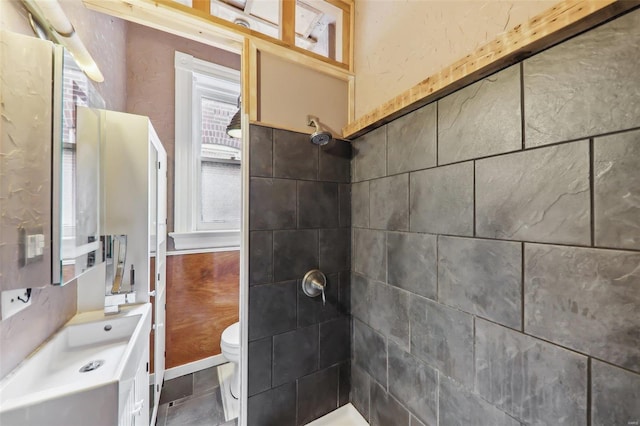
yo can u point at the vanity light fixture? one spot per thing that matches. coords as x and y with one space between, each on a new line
234 128
49 16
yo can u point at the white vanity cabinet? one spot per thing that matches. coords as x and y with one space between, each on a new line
134 165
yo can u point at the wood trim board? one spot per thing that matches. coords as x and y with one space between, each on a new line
564 20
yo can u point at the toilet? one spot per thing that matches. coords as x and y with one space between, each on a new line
230 345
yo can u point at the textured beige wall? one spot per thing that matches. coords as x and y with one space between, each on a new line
400 43
151 84
52 306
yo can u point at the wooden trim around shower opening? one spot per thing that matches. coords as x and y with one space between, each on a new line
564 20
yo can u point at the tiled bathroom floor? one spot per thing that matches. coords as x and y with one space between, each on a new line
193 400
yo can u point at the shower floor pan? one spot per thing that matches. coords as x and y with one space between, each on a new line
346 415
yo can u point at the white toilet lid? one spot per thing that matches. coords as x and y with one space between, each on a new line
231 334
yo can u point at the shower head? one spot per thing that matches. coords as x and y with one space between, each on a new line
320 137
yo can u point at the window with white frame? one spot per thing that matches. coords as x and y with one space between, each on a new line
207 165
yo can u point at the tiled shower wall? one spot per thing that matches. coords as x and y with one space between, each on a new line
299 220
496 247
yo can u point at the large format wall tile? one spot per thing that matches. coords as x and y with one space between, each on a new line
370 351
311 310
385 409
294 156
294 253
295 354
412 262
360 204
534 381
317 395
273 407
615 394
413 383
441 200
617 190
585 299
458 406
317 205
482 277
334 341
344 201
539 195
369 253
335 165
389 203
412 141
586 86
261 149
260 257
335 249
482 119
443 337
272 309
370 155
360 302
260 365
272 204
360 391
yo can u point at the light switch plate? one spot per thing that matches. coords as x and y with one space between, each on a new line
11 305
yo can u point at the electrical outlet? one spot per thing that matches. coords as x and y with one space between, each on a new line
13 301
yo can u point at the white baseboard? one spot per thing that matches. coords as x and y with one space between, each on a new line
192 367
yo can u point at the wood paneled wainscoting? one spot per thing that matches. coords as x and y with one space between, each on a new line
203 292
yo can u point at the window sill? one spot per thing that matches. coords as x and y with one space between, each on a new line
228 239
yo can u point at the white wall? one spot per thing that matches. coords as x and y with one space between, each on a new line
400 43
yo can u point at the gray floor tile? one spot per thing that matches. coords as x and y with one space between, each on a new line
205 410
177 388
205 381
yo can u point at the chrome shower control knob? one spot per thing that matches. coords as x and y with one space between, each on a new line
314 284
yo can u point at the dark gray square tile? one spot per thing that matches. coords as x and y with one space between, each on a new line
412 262
370 351
260 257
585 86
344 383
202 410
412 141
335 163
539 195
295 354
260 362
273 407
482 119
317 394
335 249
344 205
443 338
594 310
260 151
617 190
458 406
389 203
414 383
385 409
294 253
533 381
311 310
614 395
345 292
177 388
441 200
294 156
370 155
360 204
482 277
272 204
272 309
317 205
361 305
161 417
360 391
370 253
205 381
335 341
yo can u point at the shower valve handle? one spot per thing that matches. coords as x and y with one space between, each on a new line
314 284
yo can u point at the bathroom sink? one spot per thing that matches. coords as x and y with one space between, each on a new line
82 374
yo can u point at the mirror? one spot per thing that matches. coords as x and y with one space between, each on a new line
77 146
